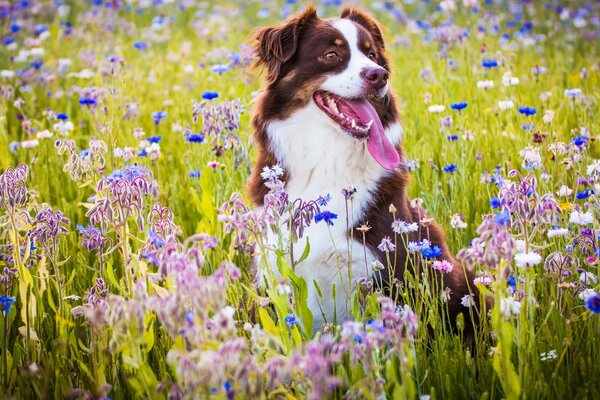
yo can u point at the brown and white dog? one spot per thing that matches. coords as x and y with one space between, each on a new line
328 118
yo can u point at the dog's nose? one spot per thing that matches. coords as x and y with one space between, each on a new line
376 77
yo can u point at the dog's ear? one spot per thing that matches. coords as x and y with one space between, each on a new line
276 45
366 21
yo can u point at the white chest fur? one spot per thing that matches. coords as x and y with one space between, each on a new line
320 159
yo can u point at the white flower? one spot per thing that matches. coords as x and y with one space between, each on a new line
520 245
28 144
505 104
531 158
188 69
527 259
594 168
153 151
509 306
509 80
564 191
400 227
586 293
545 95
63 127
547 356
436 108
557 232
6 73
573 92
37 52
588 278
483 280
273 172
581 218
467 301
548 116
485 84
457 222
45 134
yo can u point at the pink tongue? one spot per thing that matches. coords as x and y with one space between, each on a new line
380 147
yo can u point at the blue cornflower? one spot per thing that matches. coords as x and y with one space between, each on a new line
511 281
6 303
326 216
62 116
291 320
458 106
527 110
452 137
489 63
323 200
580 141
584 194
195 174
142 153
36 64
502 218
154 139
14 28
8 40
495 202
158 115
194 138
87 101
140 45
219 68
592 303
210 95
432 252
39 29
450 168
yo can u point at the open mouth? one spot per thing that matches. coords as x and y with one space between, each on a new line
348 114
360 120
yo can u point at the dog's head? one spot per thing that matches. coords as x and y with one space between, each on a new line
340 65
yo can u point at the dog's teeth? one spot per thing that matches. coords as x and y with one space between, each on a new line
353 123
368 125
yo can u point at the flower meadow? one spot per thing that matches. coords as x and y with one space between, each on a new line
127 239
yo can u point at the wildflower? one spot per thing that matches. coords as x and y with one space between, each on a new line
363 228
509 80
489 63
457 222
557 232
531 158
210 95
467 300
502 218
584 194
44 134
495 202
291 320
581 218
432 252
6 303
586 277
452 137
140 46
436 108
348 192
273 172
443 265
323 200
548 116
446 121
505 104
592 303
219 68
526 110
594 168
29 144
326 216
527 259
212 164
194 138
401 227
450 168
458 106
386 245
549 355
158 115
485 84
573 93
376 265
482 280
564 191
509 307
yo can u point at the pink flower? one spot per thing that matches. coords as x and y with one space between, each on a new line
443 265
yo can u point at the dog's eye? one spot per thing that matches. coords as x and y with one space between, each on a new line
330 56
372 55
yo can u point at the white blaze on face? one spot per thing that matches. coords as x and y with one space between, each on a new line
349 83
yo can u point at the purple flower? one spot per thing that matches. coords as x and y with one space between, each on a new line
386 245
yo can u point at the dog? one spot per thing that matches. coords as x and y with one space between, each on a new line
328 118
